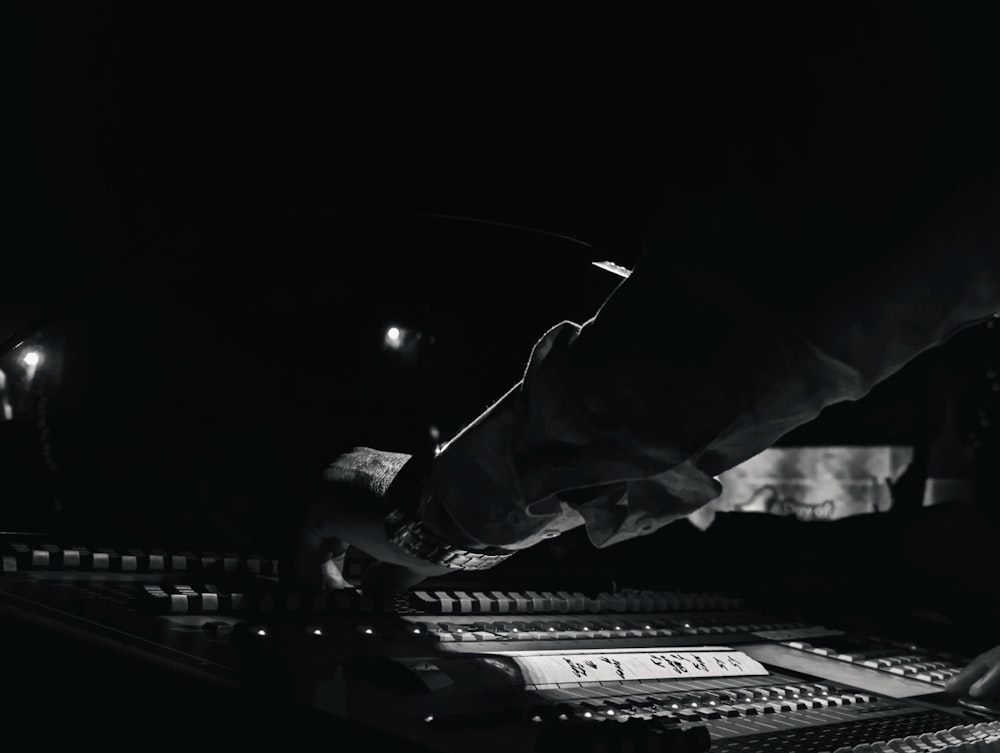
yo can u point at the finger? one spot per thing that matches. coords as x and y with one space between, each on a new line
988 686
383 579
960 683
318 560
332 574
964 680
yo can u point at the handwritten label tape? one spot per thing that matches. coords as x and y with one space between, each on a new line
635 665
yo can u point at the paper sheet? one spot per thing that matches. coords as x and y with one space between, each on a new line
611 666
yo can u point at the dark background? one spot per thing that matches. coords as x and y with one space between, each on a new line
221 209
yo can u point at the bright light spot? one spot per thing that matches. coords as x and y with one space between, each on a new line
31 358
587 714
394 337
317 631
261 632
429 718
435 433
368 631
416 631
649 627
536 719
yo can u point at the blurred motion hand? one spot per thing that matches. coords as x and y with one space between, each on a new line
981 679
359 489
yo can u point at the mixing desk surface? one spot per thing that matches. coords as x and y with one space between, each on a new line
496 666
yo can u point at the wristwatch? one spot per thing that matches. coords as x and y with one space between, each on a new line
405 528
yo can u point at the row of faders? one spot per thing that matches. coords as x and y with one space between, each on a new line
528 602
21 556
965 738
756 710
904 659
558 619
775 714
211 599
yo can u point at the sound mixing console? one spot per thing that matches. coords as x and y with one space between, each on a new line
496 666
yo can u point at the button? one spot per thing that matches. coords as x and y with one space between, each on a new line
486 603
539 603
521 604
465 602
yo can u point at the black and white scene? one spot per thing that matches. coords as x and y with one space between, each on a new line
560 377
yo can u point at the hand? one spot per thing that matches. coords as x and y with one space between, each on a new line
351 511
981 679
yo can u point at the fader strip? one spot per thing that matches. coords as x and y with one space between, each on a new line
508 645
563 602
19 556
905 660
